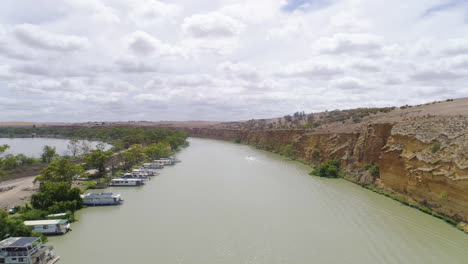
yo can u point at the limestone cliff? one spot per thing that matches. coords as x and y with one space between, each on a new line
421 156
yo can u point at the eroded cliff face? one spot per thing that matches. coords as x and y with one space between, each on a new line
424 159
427 160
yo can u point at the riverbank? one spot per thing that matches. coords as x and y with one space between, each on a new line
17 192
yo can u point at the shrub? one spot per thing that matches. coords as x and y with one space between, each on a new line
435 147
237 140
316 154
443 196
330 169
288 151
374 170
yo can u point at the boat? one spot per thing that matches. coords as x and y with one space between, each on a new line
49 227
174 159
26 250
134 176
163 162
152 166
93 199
126 182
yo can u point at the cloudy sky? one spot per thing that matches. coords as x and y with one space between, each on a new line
95 60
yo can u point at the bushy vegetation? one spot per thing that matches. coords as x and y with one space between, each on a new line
316 155
435 147
10 162
60 171
301 120
330 169
13 227
121 138
57 197
288 151
373 169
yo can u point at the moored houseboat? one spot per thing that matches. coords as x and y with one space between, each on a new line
27 250
152 166
126 182
49 227
95 199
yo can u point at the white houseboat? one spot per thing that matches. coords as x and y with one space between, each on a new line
163 162
135 176
26 250
93 199
126 182
152 166
49 227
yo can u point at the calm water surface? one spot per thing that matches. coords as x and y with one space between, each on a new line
32 147
228 203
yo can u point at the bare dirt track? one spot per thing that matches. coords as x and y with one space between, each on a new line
16 192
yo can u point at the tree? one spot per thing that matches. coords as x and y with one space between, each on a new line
58 196
97 159
331 169
3 148
85 148
48 154
159 150
134 155
10 162
60 171
74 147
12 227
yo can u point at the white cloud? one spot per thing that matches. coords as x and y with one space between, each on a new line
99 10
36 37
154 12
224 59
365 44
212 25
239 70
142 43
348 83
312 70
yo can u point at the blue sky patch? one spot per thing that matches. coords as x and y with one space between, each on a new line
445 6
305 5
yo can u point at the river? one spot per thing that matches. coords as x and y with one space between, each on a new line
32 147
228 203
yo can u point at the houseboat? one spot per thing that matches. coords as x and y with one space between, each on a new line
49 227
174 159
134 176
126 182
163 162
93 199
152 166
26 250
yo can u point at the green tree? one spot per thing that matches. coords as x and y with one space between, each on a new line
10 162
3 148
60 171
48 154
74 146
12 227
97 159
330 169
58 195
134 155
158 150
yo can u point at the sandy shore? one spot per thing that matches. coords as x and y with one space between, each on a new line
16 192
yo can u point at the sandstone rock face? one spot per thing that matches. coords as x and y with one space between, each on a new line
425 159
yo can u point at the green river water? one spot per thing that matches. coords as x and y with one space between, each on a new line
229 203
